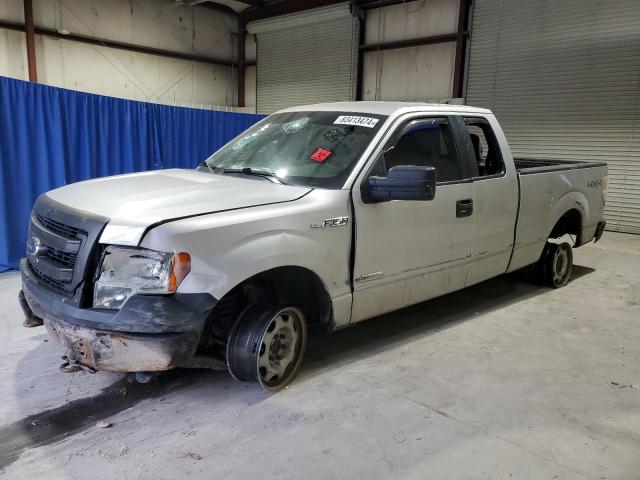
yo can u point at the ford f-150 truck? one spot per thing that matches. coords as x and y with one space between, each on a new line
318 216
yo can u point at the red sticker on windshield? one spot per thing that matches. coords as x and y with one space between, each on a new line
320 155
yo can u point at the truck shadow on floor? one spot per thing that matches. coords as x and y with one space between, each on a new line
325 350
425 318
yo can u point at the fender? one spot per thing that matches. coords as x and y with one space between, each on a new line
231 247
258 254
573 200
532 237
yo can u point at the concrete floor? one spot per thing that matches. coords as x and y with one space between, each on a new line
503 380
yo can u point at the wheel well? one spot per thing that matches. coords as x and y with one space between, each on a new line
569 223
291 285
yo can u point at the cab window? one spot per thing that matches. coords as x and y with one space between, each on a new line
485 147
426 143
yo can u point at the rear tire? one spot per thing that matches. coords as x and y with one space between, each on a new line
266 345
555 265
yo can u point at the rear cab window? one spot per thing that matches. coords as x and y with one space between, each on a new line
485 150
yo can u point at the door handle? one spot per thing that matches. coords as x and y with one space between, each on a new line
464 208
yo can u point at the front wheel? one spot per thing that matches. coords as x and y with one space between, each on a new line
556 264
267 345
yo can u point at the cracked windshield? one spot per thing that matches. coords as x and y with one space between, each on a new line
316 149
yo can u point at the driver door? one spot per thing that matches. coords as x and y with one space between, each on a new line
408 251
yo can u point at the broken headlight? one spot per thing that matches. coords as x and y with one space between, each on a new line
127 271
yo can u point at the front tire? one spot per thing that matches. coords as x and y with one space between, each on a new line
266 345
556 264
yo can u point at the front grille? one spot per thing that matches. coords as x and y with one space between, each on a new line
64 258
62 251
66 231
53 264
50 282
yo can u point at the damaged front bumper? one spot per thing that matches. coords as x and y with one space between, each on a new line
121 352
149 333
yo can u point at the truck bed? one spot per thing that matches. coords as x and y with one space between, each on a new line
548 189
526 166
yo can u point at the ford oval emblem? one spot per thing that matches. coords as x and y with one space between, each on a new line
34 246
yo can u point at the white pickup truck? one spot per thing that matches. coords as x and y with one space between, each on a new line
318 216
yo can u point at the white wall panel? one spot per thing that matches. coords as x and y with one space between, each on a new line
89 68
250 47
416 73
13 54
408 20
409 74
12 10
120 73
564 80
250 87
153 23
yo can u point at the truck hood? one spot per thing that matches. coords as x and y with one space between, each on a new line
135 202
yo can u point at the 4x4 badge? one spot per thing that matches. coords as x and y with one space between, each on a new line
331 222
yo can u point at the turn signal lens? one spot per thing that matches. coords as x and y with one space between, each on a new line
180 268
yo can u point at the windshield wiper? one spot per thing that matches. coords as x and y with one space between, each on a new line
255 172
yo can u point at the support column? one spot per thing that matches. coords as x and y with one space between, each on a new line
461 43
31 42
242 33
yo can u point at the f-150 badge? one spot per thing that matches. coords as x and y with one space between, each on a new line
331 222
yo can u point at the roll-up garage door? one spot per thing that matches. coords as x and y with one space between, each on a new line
564 80
307 57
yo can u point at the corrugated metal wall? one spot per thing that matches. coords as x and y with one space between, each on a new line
564 80
310 57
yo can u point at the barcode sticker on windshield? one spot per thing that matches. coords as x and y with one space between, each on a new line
357 121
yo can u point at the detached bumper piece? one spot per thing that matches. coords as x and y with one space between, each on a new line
149 333
30 320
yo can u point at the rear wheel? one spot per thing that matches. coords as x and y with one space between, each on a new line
556 264
266 345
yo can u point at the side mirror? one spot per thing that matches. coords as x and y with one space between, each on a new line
403 182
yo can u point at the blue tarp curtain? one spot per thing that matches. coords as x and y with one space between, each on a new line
50 137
